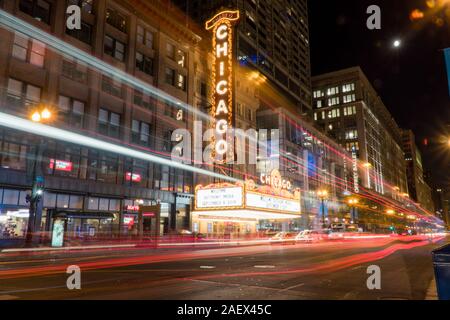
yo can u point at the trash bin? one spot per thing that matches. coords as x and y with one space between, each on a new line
441 263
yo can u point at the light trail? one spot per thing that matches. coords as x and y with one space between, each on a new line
39 129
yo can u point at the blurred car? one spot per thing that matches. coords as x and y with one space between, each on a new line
336 235
283 238
310 236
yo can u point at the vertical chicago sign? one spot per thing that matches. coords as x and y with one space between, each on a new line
222 78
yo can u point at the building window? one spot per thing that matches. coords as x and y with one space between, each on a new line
85 5
351 134
38 9
170 51
319 94
352 146
29 50
332 91
109 123
71 111
74 70
319 104
114 48
136 172
335 113
84 35
112 86
348 87
181 82
349 98
170 76
181 58
144 64
333 101
348 111
117 20
140 133
203 89
20 94
144 100
144 37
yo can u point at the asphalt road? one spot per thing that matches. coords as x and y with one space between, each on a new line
336 270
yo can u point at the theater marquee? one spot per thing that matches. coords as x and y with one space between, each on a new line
222 77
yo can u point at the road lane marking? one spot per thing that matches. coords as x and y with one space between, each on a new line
207 267
264 267
292 287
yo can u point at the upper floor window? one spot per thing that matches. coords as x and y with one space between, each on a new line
349 98
140 132
144 37
29 50
38 9
332 91
71 111
318 94
170 51
85 5
74 70
114 48
116 19
112 86
170 76
144 63
20 94
144 100
109 123
348 87
84 34
333 101
348 111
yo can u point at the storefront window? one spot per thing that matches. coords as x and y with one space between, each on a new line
11 197
62 201
92 203
76 202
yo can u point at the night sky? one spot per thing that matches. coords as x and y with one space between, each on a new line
411 80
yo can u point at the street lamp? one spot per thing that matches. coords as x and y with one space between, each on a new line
41 114
323 195
353 202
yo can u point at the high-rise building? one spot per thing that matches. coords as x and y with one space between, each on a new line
272 37
349 110
418 188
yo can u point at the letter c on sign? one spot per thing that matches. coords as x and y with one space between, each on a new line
222 32
221 87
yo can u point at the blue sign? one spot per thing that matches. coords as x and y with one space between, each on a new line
447 63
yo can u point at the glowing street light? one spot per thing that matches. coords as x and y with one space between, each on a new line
397 43
353 202
323 194
40 115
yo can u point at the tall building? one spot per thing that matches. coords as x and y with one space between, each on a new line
418 188
97 192
349 110
272 38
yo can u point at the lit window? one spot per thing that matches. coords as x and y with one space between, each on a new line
332 91
348 87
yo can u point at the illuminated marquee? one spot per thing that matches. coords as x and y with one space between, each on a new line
222 77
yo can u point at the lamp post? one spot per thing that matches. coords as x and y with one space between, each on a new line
43 114
323 195
352 202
